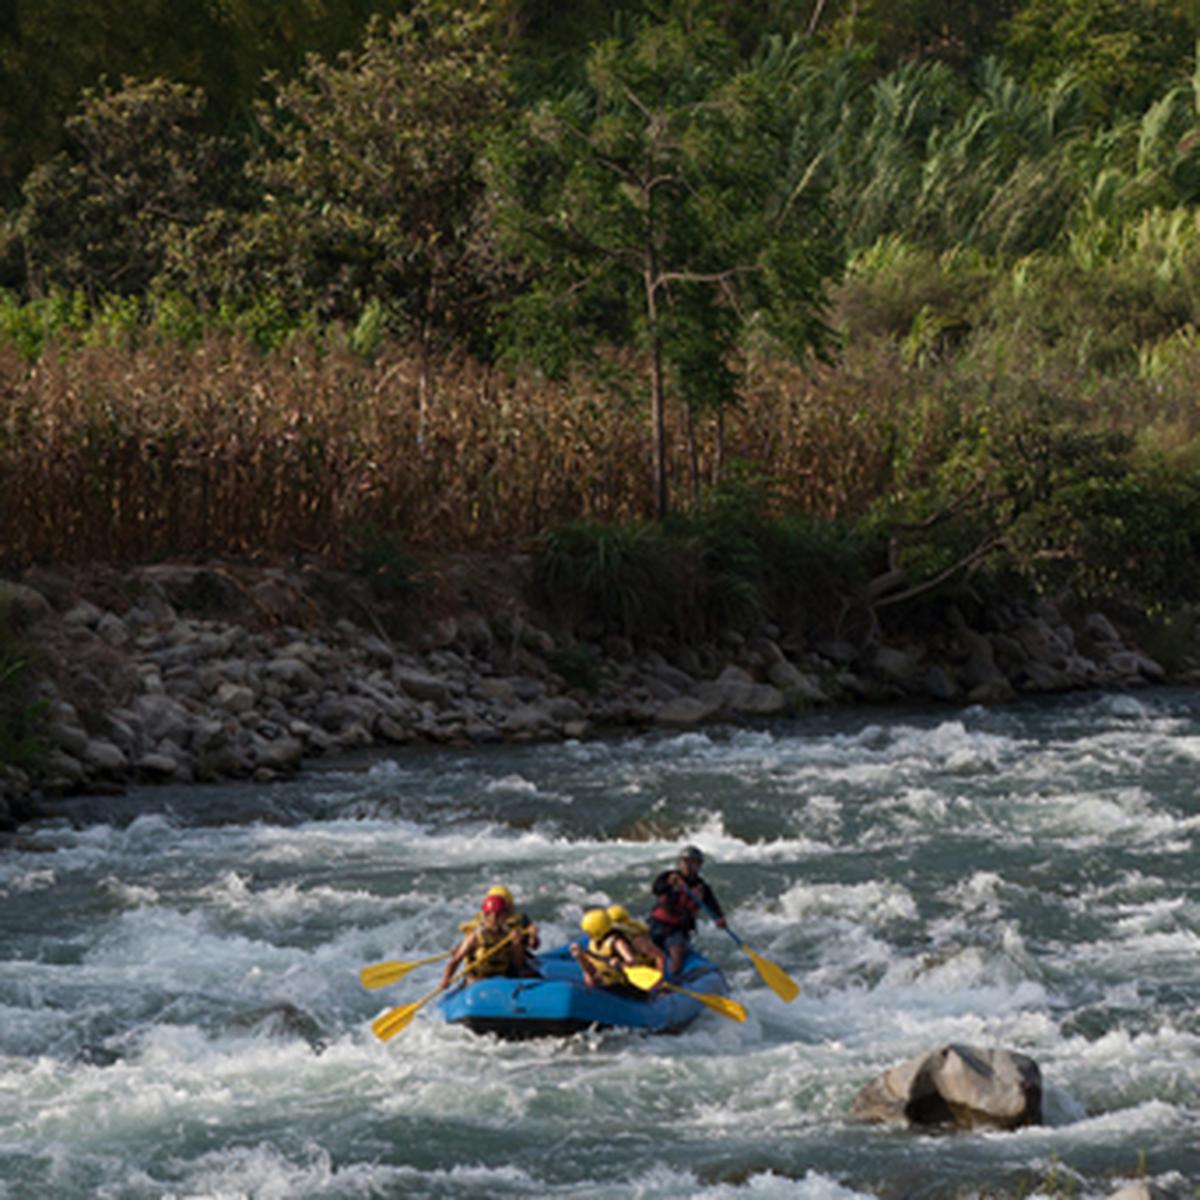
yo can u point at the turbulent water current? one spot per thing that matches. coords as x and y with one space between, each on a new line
181 1013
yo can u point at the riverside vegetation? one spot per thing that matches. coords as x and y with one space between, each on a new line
859 362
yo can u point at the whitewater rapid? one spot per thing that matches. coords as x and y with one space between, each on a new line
180 1010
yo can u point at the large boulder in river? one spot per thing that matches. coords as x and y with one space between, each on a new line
964 1086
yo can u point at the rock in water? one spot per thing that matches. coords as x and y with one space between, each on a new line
965 1086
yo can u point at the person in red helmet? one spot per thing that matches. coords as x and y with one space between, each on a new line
514 918
493 947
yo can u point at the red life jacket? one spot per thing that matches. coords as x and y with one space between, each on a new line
676 907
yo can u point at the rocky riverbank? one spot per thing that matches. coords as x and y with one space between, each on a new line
197 672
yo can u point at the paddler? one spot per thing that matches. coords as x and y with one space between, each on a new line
492 947
680 894
608 952
515 919
638 933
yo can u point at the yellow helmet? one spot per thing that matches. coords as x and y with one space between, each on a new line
596 923
503 892
618 913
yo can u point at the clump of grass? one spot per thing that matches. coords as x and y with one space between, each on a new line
618 577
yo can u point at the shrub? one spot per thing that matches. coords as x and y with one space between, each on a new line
619 576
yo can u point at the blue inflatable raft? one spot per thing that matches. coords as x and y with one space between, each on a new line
560 1003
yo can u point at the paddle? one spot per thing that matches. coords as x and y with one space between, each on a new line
395 1019
379 975
775 977
388 1024
647 977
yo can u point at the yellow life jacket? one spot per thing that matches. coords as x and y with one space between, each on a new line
604 957
631 928
636 933
514 920
496 963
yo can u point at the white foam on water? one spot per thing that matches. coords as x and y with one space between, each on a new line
875 903
279 906
1082 820
762 1185
197 928
514 784
29 881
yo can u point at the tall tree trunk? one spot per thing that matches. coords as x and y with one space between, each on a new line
693 454
718 467
658 426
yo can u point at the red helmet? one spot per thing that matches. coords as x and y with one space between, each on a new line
494 904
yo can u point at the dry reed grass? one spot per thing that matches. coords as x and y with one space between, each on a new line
136 454
130 455
160 451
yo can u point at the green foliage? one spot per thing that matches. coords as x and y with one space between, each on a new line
578 665
367 187
1102 318
754 563
668 203
51 50
97 217
1132 534
177 318
622 577
1120 50
730 563
895 31
29 327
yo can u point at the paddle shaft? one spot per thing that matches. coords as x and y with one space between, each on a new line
378 975
774 976
721 1004
391 1022
648 977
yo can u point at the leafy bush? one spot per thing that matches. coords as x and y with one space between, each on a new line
730 563
620 576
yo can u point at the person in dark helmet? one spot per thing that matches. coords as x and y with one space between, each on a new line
680 894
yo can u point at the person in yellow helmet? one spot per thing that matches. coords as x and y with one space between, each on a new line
638 934
607 953
492 947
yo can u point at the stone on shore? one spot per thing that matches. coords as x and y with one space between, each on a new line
171 672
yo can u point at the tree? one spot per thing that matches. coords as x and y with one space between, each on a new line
97 217
368 184
955 32
1125 53
51 50
667 205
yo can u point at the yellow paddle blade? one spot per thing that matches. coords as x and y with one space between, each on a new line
648 977
643 977
395 1019
775 977
378 975
722 1004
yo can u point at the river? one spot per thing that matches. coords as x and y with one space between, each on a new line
181 1015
